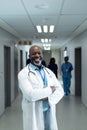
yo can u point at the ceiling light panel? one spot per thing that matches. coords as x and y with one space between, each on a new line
42 40
50 40
46 40
47 46
39 29
45 28
51 29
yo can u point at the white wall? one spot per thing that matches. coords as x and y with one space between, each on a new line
8 40
79 41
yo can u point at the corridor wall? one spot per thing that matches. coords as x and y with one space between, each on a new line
6 39
79 41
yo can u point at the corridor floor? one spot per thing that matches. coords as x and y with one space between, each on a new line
71 115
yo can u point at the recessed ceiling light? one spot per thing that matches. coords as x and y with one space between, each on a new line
51 28
45 28
47 46
46 40
42 40
39 28
50 40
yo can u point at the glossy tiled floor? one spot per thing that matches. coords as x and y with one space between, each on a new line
71 115
12 118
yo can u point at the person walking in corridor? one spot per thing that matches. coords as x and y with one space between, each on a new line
41 92
53 66
66 69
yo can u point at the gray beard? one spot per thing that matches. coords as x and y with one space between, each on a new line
37 64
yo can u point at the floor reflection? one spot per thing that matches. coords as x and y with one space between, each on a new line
71 115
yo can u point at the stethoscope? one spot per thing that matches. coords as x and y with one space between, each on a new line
30 71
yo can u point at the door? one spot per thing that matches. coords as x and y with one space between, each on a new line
26 53
15 72
78 72
1 80
7 76
21 59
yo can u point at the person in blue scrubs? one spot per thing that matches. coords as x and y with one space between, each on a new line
66 69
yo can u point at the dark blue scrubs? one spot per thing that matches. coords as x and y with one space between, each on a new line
66 76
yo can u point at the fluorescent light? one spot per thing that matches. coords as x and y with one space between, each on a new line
51 28
39 28
45 28
46 40
42 40
50 40
47 46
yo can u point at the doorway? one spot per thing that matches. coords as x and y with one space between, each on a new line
15 72
21 59
78 72
7 76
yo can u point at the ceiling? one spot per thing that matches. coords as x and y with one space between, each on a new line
20 18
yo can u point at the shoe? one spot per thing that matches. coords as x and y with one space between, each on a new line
66 94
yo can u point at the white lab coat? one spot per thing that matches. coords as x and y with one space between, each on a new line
31 86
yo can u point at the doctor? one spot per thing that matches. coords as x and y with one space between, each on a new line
41 92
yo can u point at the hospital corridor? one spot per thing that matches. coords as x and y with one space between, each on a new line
71 115
55 29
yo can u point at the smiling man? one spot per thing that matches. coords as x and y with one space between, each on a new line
35 55
41 92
